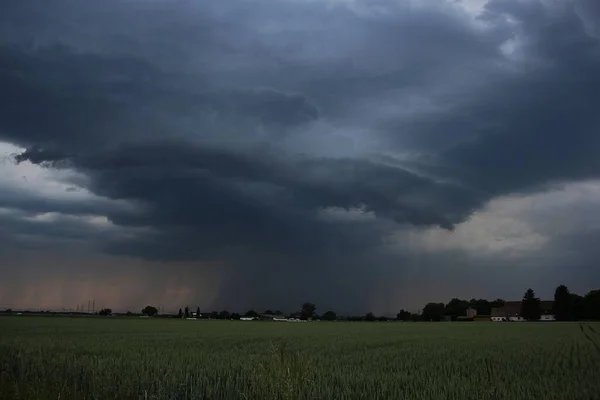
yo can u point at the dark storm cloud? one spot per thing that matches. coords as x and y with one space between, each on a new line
546 124
231 126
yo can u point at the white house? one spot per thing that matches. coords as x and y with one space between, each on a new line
511 311
516 318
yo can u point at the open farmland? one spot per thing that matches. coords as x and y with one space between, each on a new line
112 358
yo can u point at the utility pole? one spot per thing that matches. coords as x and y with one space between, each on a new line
94 307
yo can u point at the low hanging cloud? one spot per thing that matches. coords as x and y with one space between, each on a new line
299 145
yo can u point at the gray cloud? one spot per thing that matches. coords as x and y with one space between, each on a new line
231 128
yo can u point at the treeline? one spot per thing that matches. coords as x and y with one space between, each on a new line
571 306
457 307
567 307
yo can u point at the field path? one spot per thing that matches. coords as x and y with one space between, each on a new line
588 336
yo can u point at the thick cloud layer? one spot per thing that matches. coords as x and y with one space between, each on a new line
238 133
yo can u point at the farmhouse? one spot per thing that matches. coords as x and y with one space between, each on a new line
471 312
473 316
511 311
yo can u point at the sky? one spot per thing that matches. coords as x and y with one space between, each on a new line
361 155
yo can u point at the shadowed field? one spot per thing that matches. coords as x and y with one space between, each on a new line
119 358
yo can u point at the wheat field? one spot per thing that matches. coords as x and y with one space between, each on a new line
128 358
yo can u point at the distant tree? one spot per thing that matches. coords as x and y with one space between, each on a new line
180 314
456 307
8 311
129 313
186 312
370 317
251 314
235 316
530 306
592 305
433 312
214 315
329 316
224 314
563 304
150 311
308 310
414 317
383 318
105 311
268 312
403 315
482 306
197 312
497 303
578 305
277 312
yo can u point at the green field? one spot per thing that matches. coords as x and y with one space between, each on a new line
112 358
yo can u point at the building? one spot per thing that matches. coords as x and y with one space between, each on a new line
547 307
511 311
471 312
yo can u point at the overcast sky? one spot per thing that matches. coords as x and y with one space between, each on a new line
362 155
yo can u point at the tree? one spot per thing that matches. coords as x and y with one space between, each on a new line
251 314
224 314
592 304
563 304
403 315
329 316
180 314
497 303
456 307
578 304
186 313
105 311
197 312
482 306
370 317
433 311
530 306
268 312
308 310
150 311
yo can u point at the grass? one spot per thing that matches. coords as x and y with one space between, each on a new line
113 358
